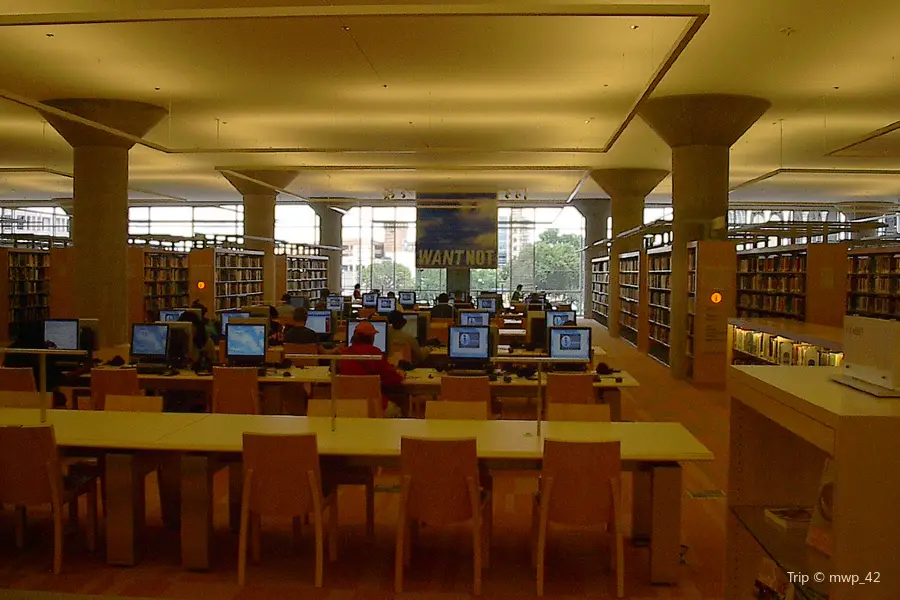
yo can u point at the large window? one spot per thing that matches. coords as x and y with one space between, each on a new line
186 221
379 248
38 220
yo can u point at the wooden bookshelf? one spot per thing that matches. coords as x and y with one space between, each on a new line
784 342
24 289
600 289
629 295
873 283
785 424
711 290
226 278
157 280
804 283
305 275
659 302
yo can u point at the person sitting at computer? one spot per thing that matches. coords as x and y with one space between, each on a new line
516 295
300 333
357 293
213 330
397 338
363 344
322 301
285 309
203 349
443 310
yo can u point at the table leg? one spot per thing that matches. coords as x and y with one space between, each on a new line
169 478
235 491
613 397
125 509
196 511
665 534
642 505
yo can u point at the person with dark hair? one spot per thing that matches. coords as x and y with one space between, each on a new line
391 295
397 338
285 309
203 349
443 310
516 295
357 293
363 344
300 333
212 327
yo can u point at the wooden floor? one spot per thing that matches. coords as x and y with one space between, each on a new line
441 565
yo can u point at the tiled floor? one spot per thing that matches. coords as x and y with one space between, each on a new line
441 567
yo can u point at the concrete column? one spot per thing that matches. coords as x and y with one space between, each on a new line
627 189
596 213
331 233
100 205
865 210
259 190
700 129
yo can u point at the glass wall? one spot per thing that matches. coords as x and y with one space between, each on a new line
37 220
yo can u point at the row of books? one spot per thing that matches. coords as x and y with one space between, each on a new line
881 264
783 263
295 285
783 351
793 305
692 282
19 287
247 275
632 263
155 304
765 283
660 262
660 315
27 273
226 289
875 285
28 313
659 333
238 261
629 278
166 261
166 288
629 294
660 280
226 303
28 259
660 297
627 320
307 273
873 304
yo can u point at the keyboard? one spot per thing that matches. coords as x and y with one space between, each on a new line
151 369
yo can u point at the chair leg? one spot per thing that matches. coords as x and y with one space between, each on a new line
487 527
21 520
541 549
333 531
370 506
92 518
476 546
320 547
411 535
535 520
58 537
255 532
400 553
620 566
242 545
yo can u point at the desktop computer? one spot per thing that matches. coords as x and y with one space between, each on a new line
170 315
245 344
474 317
369 300
334 303
150 347
320 322
386 305
181 342
572 345
469 350
406 299
61 334
487 303
380 332
227 316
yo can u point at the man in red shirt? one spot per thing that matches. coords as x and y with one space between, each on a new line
362 344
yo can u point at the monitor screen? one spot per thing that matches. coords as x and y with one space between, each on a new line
335 303
407 298
319 321
245 341
299 301
170 315
570 342
558 318
380 333
469 342
61 334
478 317
488 304
370 300
227 316
150 340
386 305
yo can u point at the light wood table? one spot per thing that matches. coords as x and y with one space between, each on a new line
652 449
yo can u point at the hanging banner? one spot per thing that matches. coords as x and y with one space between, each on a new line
456 233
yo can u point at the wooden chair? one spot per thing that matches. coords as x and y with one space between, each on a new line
282 478
572 388
290 348
104 382
440 485
466 389
445 409
359 386
31 474
558 411
235 390
580 486
439 329
344 407
116 402
20 399
17 379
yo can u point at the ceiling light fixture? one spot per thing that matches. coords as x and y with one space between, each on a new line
338 209
346 28
49 35
635 26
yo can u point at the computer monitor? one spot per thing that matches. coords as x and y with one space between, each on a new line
299 301
89 335
380 332
150 342
250 321
570 343
334 303
185 309
488 304
319 321
260 311
246 343
370 300
469 343
407 299
181 341
536 328
170 315
475 317
558 318
227 316
386 305
61 334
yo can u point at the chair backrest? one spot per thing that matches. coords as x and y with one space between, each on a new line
447 409
571 388
104 382
290 348
280 485
235 390
438 470
560 411
28 458
465 389
581 471
439 329
20 399
134 403
359 386
343 407
17 379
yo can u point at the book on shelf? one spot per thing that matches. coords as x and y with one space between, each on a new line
796 517
820 533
